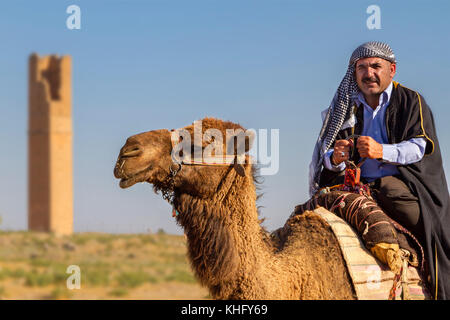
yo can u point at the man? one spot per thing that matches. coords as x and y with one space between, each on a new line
397 139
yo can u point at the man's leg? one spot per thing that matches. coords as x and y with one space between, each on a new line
394 197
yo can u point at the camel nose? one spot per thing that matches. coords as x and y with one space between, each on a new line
127 151
130 151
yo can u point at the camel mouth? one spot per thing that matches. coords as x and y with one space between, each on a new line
129 181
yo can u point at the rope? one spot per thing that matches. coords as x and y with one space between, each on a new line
394 286
350 214
404 277
404 230
341 199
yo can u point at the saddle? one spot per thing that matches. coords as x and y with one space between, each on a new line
383 236
373 280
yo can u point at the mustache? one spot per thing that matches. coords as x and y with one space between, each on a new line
370 79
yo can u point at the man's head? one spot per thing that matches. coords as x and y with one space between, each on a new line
373 75
375 65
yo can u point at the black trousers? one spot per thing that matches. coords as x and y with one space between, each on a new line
395 198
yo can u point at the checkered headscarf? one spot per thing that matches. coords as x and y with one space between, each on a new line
339 110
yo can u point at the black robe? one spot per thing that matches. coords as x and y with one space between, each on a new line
408 116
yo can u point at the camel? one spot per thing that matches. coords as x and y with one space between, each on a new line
230 252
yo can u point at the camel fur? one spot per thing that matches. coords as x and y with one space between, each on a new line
229 251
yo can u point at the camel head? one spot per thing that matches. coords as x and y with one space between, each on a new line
148 157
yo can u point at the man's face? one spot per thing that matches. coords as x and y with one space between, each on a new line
374 75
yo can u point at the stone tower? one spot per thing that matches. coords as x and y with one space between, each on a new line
50 193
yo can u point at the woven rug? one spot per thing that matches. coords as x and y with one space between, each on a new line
371 279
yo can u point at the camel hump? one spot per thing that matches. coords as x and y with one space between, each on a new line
371 279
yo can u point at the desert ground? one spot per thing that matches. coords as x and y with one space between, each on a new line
112 266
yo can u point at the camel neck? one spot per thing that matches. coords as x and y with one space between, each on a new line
223 234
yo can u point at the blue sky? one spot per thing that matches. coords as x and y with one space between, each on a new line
144 65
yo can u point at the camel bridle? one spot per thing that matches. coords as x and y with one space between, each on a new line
168 193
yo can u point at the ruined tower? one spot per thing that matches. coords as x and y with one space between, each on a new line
50 193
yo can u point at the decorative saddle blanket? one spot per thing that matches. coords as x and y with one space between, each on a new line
372 279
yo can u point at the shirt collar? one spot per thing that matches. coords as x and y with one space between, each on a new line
385 96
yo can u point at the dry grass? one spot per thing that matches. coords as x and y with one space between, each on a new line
131 266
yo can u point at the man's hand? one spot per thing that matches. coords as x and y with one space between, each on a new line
369 148
341 151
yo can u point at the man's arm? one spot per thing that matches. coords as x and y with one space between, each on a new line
405 152
334 160
330 166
